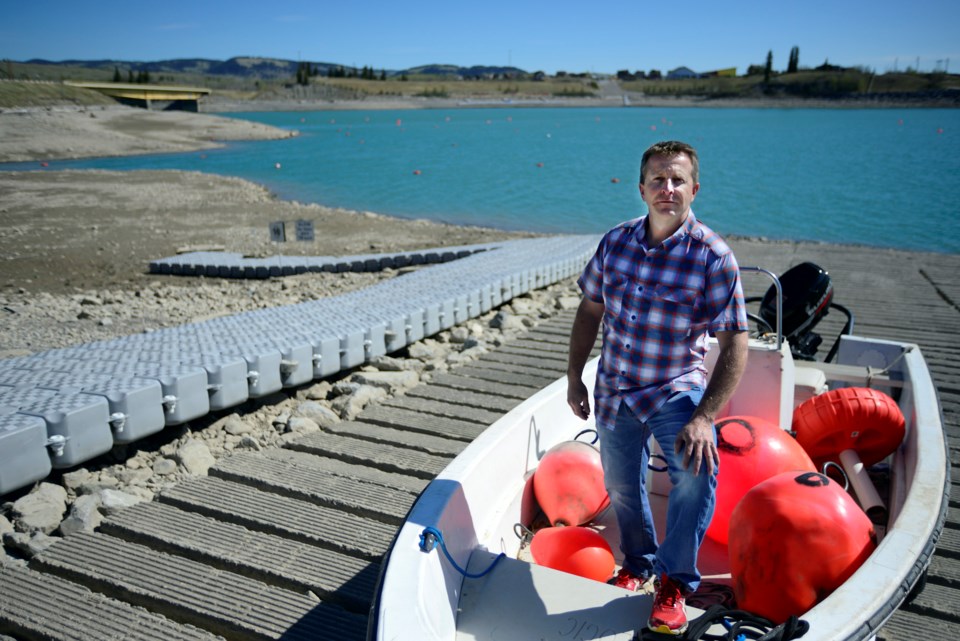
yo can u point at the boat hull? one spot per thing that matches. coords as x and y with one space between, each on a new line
479 498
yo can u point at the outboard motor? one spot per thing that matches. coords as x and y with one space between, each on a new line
807 298
807 293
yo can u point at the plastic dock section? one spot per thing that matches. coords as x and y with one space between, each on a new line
61 407
231 265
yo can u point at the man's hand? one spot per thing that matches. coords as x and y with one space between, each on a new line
696 438
578 399
696 443
583 335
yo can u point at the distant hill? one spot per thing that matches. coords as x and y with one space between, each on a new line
476 71
265 68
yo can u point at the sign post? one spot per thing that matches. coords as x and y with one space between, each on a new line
304 230
278 232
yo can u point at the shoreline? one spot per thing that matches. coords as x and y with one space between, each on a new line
619 101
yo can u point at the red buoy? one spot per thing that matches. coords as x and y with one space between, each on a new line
568 483
794 539
575 550
751 450
861 419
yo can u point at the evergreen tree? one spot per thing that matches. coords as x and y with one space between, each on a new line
116 75
794 62
303 73
768 69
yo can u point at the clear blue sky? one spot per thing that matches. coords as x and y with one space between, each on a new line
563 35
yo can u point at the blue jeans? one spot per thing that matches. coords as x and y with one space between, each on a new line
625 452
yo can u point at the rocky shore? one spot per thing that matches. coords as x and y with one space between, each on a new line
74 247
77 500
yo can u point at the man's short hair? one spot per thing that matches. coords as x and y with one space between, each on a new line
671 148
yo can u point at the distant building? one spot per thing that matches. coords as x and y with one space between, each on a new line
625 75
729 72
682 72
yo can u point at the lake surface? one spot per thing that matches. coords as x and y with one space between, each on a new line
881 177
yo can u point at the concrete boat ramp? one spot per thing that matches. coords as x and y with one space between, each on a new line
286 543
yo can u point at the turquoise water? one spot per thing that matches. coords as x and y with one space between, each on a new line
882 177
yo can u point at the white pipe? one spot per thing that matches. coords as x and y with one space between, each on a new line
862 486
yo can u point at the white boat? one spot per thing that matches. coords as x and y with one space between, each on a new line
467 518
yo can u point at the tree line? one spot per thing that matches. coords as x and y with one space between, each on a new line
142 77
305 71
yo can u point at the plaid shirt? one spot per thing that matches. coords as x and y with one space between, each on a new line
659 303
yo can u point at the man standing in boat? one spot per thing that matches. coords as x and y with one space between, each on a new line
659 284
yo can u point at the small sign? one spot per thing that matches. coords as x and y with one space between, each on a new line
305 230
278 232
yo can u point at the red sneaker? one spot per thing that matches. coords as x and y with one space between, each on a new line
668 616
629 581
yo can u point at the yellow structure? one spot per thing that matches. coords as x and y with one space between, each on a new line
147 95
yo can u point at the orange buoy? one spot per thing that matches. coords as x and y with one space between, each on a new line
794 539
575 550
568 483
855 426
850 418
751 450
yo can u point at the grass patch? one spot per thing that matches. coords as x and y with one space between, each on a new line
20 93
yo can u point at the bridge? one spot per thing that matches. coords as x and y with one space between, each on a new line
162 97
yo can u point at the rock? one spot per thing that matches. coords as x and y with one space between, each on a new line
5 525
84 515
133 477
195 457
392 382
280 421
567 302
388 364
30 544
247 442
466 355
459 334
524 307
426 351
318 392
165 467
507 322
77 479
352 404
41 510
112 501
315 412
303 425
236 426
344 388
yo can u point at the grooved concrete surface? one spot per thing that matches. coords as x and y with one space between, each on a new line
286 544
